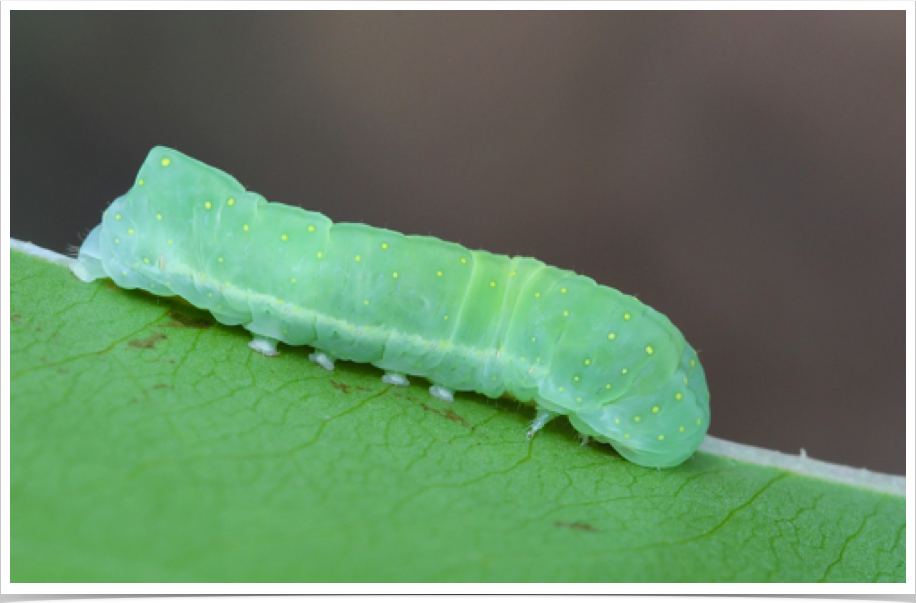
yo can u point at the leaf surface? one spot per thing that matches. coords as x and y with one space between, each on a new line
149 443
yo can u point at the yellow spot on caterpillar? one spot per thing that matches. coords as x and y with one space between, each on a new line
227 283
626 316
678 396
130 231
230 202
394 275
245 228
170 241
626 435
384 245
209 295
649 350
279 302
538 294
681 429
124 272
563 290
637 418
140 182
576 378
693 362
560 389
320 255
311 229
565 312
292 280
661 437
512 274
617 421
655 409
284 237
685 380
166 162
146 260
445 317
117 240
117 216
578 399
607 386
464 261
366 302
587 362
208 205
534 339
612 336
220 260
699 421
624 372
358 258
492 283
439 273
158 216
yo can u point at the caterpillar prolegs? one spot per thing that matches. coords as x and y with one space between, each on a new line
410 305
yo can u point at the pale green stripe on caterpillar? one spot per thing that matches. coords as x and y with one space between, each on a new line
410 305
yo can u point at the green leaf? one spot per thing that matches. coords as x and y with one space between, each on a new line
149 443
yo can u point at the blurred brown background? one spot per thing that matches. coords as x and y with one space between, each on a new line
743 173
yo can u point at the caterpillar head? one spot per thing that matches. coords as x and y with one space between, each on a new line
658 429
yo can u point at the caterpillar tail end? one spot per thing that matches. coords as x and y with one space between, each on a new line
88 271
88 265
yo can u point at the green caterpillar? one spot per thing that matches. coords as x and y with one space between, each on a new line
410 305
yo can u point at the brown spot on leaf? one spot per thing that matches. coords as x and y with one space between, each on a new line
16 317
162 386
449 414
147 343
181 320
578 525
342 387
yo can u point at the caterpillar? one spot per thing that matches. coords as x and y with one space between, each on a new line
464 320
